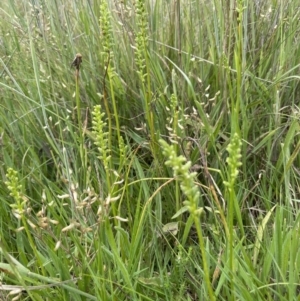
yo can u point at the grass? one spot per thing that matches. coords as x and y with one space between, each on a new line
166 167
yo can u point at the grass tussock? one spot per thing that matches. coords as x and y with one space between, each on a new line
163 166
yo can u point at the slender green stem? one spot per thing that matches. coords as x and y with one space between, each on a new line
204 260
115 109
83 159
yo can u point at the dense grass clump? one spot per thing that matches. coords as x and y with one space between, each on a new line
165 165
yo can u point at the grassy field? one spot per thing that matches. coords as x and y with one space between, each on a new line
163 166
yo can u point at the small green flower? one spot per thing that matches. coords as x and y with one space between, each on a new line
15 189
181 170
141 40
106 30
12 184
233 160
101 136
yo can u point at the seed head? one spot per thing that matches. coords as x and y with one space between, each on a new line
77 61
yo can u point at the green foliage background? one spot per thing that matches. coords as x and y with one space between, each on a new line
166 167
